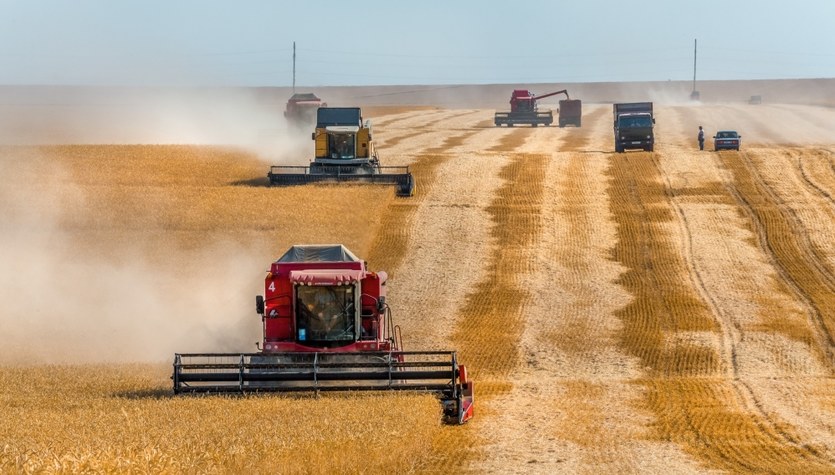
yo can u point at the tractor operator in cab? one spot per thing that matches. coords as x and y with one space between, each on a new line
322 312
342 146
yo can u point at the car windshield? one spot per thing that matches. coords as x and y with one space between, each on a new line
726 135
325 313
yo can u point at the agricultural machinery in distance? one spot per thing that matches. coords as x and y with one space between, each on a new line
327 326
301 109
344 152
524 110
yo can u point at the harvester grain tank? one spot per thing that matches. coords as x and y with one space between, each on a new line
344 152
525 110
633 126
301 109
327 326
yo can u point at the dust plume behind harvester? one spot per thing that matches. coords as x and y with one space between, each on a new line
344 152
301 109
327 327
524 110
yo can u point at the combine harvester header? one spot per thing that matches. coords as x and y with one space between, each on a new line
344 153
327 327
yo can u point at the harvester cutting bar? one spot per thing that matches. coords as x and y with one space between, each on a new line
524 118
432 371
217 372
284 175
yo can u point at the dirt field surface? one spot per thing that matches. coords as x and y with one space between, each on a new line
664 312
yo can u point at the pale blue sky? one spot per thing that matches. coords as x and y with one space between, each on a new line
374 42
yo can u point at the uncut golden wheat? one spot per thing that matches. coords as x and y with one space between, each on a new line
158 204
175 197
121 418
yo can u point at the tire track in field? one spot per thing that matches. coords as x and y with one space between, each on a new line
730 334
576 371
511 140
822 181
491 319
392 240
434 119
391 123
817 171
578 139
792 255
638 200
688 389
453 447
393 136
818 174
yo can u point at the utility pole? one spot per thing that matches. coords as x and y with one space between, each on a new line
294 67
695 94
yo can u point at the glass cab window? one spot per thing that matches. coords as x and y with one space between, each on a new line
342 146
325 313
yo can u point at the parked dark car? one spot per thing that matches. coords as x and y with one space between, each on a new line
726 140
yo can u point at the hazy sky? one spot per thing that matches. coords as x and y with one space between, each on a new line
249 43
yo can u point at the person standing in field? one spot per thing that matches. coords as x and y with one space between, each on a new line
701 138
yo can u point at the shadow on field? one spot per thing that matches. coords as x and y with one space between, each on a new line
167 393
260 182
146 394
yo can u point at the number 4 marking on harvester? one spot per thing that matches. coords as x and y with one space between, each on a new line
271 288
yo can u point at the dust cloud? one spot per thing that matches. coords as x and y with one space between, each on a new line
247 118
63 300
65 295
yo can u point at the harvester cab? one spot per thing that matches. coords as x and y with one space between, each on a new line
344 152
327 327
343 140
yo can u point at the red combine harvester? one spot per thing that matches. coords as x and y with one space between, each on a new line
524 110
301 109
327 327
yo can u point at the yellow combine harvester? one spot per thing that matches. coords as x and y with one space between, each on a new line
344 152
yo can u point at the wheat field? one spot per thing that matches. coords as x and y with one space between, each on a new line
666 312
